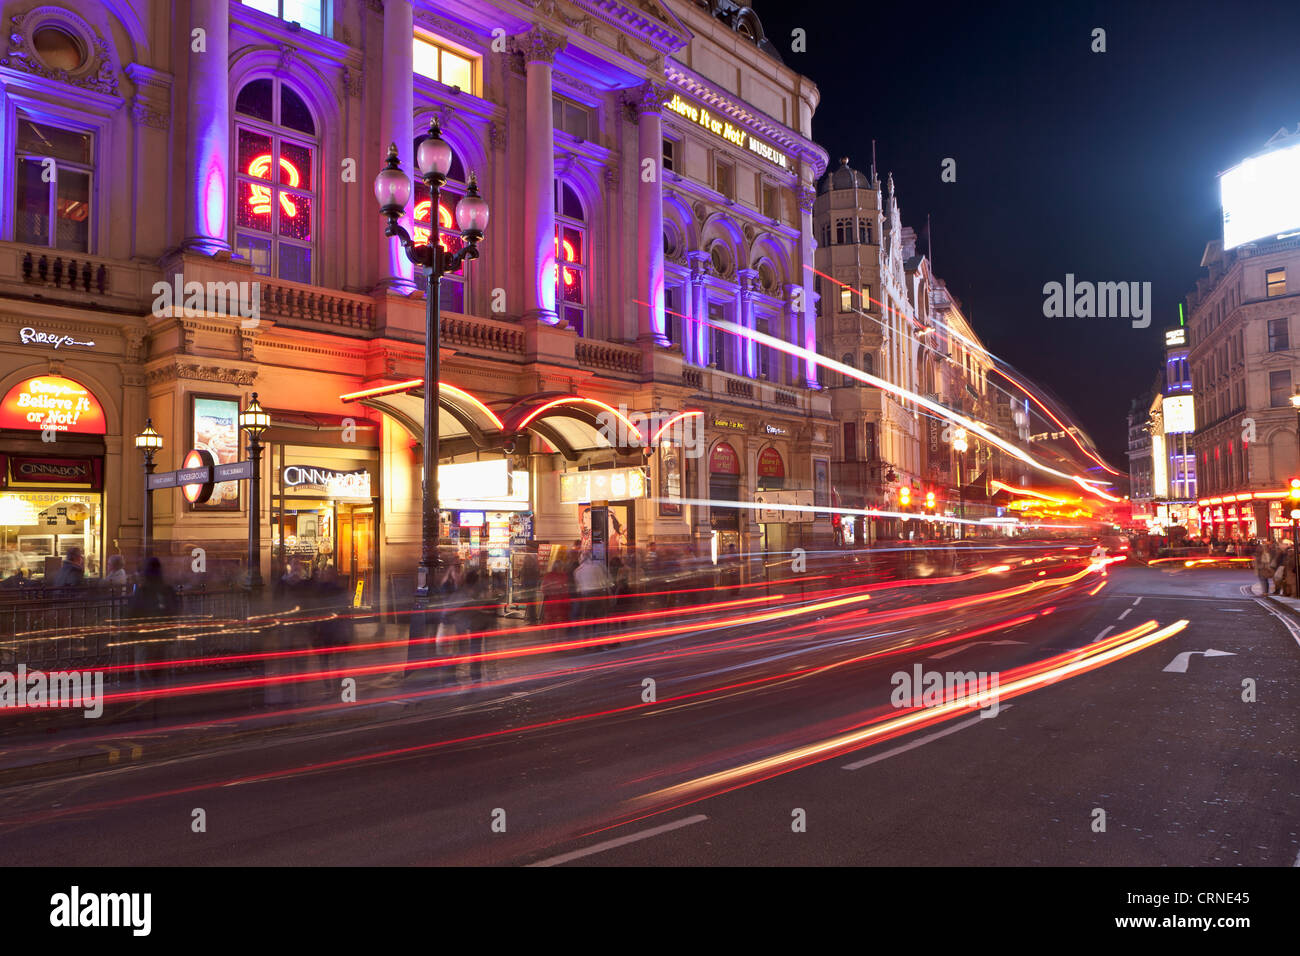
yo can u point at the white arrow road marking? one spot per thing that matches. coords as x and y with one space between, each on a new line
1179 664
958 650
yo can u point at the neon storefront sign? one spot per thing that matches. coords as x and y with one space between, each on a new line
52 403
259 197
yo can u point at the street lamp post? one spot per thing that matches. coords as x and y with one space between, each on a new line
959 445
255 421
392 189
148 441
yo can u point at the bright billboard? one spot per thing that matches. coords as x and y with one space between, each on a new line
1261 197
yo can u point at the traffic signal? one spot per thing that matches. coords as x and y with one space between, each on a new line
929 500
1295 489
905 496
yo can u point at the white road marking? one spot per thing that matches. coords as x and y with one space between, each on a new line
1137 602
1284 618
959 649
1179 664
921 741
619 841
1127 612
1103 634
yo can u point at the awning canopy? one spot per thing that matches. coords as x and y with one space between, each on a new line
571 424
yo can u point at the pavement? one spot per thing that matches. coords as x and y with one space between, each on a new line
1177 752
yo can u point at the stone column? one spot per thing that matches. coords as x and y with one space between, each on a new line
539 48
748 348
648 101
806 196
207 136
794 294
398 126
699 331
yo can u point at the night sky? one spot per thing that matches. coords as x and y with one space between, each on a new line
1103 165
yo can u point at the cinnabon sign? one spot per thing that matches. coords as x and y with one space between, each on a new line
68 471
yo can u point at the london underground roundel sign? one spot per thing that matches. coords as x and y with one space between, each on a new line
52 402
199 493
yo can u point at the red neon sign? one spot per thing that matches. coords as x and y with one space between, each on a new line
569 256
445 220
259 198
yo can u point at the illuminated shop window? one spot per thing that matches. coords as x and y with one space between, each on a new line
452 287
570 257
275 191
52 209
436 60
309 14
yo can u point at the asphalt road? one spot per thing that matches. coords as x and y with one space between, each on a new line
748 754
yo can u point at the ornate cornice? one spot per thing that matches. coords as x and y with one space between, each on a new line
741 114
190 371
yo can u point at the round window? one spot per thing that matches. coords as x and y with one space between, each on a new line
58 49
721 260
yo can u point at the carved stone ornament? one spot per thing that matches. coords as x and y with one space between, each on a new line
612 175
98 69
134 339
497 135
202 373
649 97
539 45
805 196
352 82
144 114
625 47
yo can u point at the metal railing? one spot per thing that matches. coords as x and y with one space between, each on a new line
48 628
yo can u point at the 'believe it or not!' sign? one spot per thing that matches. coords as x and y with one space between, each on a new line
52 403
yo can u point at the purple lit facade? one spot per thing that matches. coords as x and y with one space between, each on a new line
239 147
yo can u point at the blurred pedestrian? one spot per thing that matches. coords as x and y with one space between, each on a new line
593 585
557 589
331 624
72 572
1264 561
116 576
155 601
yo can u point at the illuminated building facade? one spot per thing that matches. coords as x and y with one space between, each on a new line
1245 367
648 168
882 310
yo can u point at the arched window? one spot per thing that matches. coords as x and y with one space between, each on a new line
452 287
843 231
275 193
570 257
868 363
848 360
864 230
